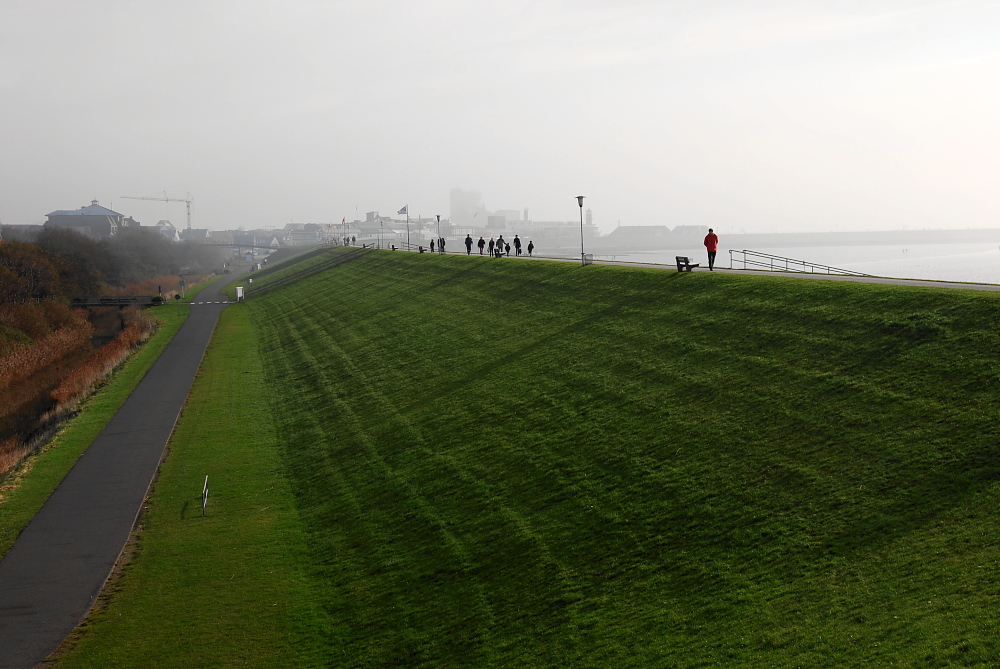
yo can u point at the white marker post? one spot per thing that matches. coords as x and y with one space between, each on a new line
204 496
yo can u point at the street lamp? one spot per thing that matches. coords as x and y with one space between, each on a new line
583 258
439 232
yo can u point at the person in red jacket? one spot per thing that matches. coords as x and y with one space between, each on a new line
712 244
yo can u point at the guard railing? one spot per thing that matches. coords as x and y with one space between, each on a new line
757 260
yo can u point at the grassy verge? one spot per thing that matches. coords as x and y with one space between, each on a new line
226 589
503 463
27 487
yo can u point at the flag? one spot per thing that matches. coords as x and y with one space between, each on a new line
403 210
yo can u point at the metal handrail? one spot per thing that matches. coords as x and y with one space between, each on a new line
775 263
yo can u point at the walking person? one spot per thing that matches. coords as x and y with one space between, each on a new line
432 246
517 245
468 245
500 243
441 245
492 243
481 244
506 249
712 244
531 247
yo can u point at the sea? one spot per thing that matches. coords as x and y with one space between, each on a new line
967 262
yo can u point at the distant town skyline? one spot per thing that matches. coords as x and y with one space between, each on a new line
756 116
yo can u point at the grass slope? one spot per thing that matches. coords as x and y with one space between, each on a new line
504 463
534 464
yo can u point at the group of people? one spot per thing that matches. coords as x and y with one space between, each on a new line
498 247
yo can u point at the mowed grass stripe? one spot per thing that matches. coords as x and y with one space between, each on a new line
714 468
446 557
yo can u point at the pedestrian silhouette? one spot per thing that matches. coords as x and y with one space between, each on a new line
531 246
517 245
481 244
432 246
468 245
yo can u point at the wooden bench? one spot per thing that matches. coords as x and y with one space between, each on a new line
683 263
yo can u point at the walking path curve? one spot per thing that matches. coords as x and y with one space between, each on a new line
55 570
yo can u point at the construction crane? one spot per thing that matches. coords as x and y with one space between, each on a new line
185 200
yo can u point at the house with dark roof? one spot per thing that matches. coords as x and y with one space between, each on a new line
167 229
196 234
92 220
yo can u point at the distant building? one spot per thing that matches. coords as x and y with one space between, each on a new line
167 229
690 232
467 208
638 237
195 234
93 220
510 215
221 237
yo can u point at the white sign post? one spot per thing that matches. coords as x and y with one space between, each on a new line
204 496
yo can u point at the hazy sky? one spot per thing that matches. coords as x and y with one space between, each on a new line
751 116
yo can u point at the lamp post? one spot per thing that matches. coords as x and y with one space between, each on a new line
439 232
583 258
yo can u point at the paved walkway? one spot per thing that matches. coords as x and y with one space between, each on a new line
59 563
990 287
825 277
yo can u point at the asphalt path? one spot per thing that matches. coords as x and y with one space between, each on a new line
55 570
884 280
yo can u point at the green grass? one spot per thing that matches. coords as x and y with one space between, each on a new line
502 463
229 588
296 263
39 475
285 257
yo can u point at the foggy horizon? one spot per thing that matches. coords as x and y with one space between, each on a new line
755 117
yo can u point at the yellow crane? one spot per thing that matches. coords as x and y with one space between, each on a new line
185 200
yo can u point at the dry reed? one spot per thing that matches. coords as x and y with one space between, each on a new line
20 361
139 325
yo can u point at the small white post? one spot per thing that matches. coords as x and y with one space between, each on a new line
204 496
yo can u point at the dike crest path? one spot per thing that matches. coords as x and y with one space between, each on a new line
55 570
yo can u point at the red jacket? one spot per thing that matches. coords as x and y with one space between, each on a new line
712 241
